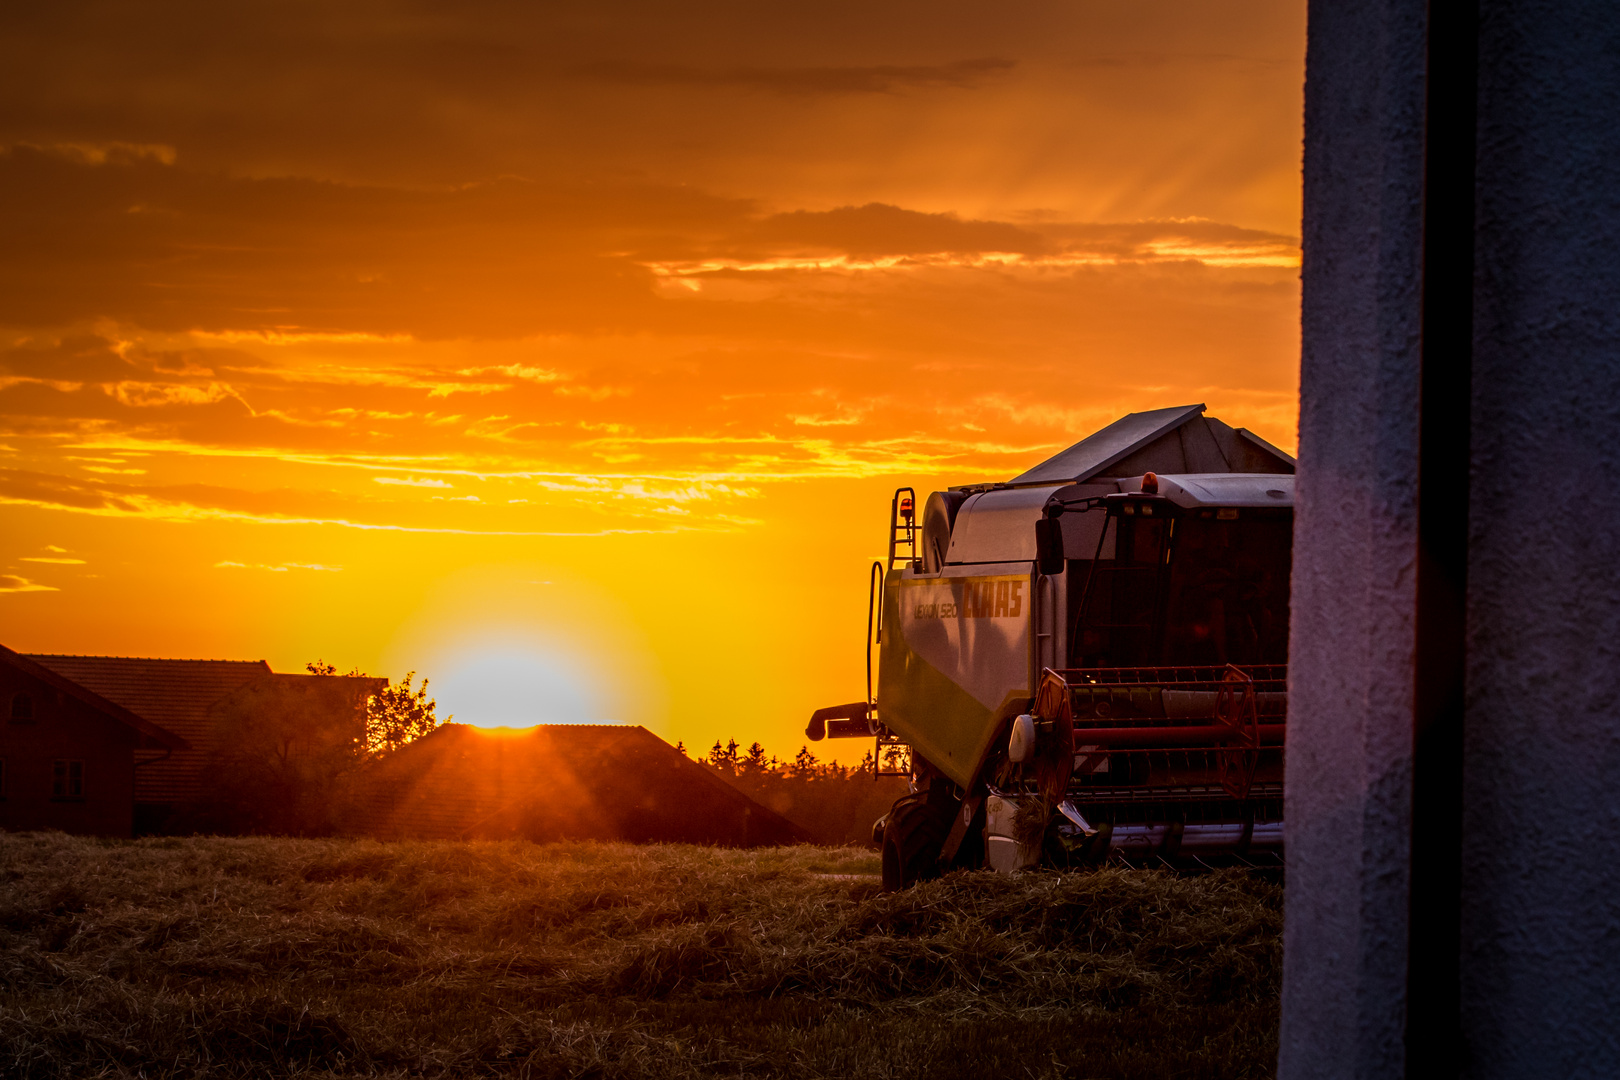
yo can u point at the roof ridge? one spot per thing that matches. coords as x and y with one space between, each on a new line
158 659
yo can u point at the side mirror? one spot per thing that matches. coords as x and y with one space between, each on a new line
1049 546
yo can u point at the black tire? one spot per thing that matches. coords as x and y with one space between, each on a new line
913 836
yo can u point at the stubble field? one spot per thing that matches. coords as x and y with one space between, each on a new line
314 958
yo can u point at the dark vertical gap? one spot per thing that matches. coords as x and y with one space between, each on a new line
1434 1045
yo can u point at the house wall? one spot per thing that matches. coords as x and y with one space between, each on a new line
66 729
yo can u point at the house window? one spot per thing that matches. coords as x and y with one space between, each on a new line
22 709
67 779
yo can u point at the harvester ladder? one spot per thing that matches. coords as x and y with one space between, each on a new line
903 527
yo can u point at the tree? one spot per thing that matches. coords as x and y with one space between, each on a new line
805 766
285 744
397 715
724 758
754 760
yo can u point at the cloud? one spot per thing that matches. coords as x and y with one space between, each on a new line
517 371
412 481
281 261
276 568
880 229
149 395
10 583
87 153
54 561
870 79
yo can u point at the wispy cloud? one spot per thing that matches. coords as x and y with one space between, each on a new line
147 395
100 153
10 583
871 79
412 481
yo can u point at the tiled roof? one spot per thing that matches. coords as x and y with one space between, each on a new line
118 711
175 695
559 781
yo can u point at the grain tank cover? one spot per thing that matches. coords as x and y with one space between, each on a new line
1092 455
1180 440
1222 489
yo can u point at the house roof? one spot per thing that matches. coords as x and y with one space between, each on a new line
54 678
560 781
173 693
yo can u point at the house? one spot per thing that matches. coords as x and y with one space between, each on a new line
218 708
70 759
557 782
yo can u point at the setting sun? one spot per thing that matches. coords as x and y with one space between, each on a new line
501 686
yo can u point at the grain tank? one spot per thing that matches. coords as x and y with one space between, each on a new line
1086 661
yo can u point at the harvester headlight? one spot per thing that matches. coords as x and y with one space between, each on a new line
1021 745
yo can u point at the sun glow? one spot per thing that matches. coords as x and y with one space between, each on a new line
518 686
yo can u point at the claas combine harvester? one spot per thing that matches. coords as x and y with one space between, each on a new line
1087 661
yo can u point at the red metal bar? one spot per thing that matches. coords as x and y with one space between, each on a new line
1200 735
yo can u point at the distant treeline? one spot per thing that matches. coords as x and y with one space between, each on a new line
835 803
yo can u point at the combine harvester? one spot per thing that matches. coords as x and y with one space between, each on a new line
1086 661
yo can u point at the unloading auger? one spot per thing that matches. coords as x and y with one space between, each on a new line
1087 661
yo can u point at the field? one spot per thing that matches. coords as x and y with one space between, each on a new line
314 958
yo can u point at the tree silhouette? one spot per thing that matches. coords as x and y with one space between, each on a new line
724 758
396 715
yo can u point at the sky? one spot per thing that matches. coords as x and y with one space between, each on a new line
569 354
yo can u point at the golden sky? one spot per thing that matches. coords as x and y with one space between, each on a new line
570 353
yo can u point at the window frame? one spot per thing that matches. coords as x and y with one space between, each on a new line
64 780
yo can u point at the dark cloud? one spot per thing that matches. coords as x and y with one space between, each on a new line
874 79
823 105
878 229
50 489
96 494
171 249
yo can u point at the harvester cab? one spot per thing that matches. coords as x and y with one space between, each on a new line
1087 661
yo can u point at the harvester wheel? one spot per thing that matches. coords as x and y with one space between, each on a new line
913 834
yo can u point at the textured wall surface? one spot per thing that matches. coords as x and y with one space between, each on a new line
1355 543
1541 838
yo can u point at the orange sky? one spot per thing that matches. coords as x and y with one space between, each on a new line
570 357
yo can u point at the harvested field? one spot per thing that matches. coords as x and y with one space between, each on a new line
315 958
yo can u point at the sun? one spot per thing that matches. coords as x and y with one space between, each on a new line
518 686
